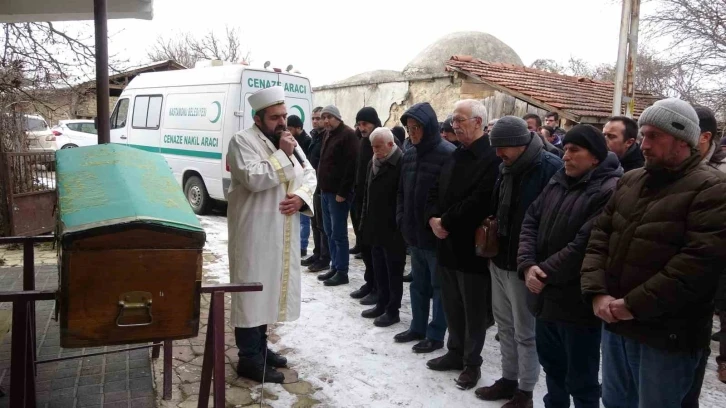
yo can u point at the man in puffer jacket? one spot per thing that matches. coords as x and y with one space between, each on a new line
551 248
422 165
653 264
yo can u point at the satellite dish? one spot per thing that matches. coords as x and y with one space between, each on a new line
289 68
267 64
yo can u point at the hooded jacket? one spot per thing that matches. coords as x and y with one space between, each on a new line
421 167
554 237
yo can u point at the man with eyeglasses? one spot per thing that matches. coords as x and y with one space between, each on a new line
422 164
320 260
457 204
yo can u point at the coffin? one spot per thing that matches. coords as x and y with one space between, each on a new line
130 249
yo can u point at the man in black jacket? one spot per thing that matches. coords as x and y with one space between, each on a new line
456 206
336 179
621 134
552 246
526 169
295 127
378 227
320 260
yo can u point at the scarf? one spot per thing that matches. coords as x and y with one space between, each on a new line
377 163
507 185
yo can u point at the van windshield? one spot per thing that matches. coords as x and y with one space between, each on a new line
34 125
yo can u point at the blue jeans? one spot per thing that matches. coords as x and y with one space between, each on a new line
570 357
639 376
426 286
304 231
335 222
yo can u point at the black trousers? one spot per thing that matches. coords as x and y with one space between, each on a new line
320 240
388 264
467 300
691 399
365 250
251 342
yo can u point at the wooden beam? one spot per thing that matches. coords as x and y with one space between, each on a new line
563 113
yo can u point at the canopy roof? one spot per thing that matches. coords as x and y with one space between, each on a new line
19 11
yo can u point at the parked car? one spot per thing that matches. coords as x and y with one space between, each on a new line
74 133
38 133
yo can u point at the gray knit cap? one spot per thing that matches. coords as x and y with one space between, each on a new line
331 110
510 131
674 116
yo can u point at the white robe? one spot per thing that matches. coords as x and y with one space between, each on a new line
264 245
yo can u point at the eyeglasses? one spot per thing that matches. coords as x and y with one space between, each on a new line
460 120
414 128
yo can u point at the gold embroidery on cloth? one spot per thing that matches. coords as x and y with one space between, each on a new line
285 278
278 168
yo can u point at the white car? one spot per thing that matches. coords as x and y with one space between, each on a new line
74 133
38 133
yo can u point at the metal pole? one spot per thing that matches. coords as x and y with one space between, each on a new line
620 66
102 93
632 57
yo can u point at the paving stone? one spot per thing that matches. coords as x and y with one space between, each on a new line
115 386
113 367
120 404
90 380
64 373
69 364
184 353
140 384
139 364
41 386
114 396
117 358
139 372
145 402
189 373
67 402
291 376
190 389
60 383
238 396
91 361
269 395
305 401
299 388
89 389
115 376
93 400
93 370
62 393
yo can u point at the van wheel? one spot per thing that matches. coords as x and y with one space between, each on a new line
69 146
197 195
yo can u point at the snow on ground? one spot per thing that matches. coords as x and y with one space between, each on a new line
355 364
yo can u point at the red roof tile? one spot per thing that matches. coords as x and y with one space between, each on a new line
574 95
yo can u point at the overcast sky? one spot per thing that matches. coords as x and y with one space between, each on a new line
332 40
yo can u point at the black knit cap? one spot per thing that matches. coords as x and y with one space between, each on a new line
294 121
399 132
590 138
369 115
447 126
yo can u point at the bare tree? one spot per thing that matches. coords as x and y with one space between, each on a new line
548 65
188 49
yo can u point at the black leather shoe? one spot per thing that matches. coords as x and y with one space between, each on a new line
408 278
427 346
360 293
255 371
386 319
309 261
447 362
717 336
275 360
337 280
327 275
370 299
373 312
468 379
408 336
319 266
303 252
355 250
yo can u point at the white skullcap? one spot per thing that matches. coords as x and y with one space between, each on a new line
264 98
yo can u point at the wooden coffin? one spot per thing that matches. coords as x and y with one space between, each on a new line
130 254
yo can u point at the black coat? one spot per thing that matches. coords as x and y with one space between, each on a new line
315 145
632 159
365 154
554 236
336 169
462 197
378 217
303 140
422 165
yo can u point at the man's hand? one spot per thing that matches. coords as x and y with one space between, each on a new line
287 143
291 204
339 199
601 308
620 311
439 230
532 279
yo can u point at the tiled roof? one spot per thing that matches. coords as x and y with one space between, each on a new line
573 97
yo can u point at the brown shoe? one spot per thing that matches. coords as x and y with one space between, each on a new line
722 371
502 389
468 378
521 399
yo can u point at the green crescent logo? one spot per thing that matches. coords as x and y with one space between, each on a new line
219 112
302 114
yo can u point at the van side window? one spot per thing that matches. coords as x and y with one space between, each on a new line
147 112
118 119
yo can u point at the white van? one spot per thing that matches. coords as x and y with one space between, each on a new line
190 115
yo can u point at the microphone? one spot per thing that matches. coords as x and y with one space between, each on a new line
299 155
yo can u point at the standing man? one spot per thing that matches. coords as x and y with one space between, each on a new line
378 227
621 134
269 189
525 171
456 206
367 121
295 127
422 164
653 264
551 247
320 260
447 131
336 178
534 122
